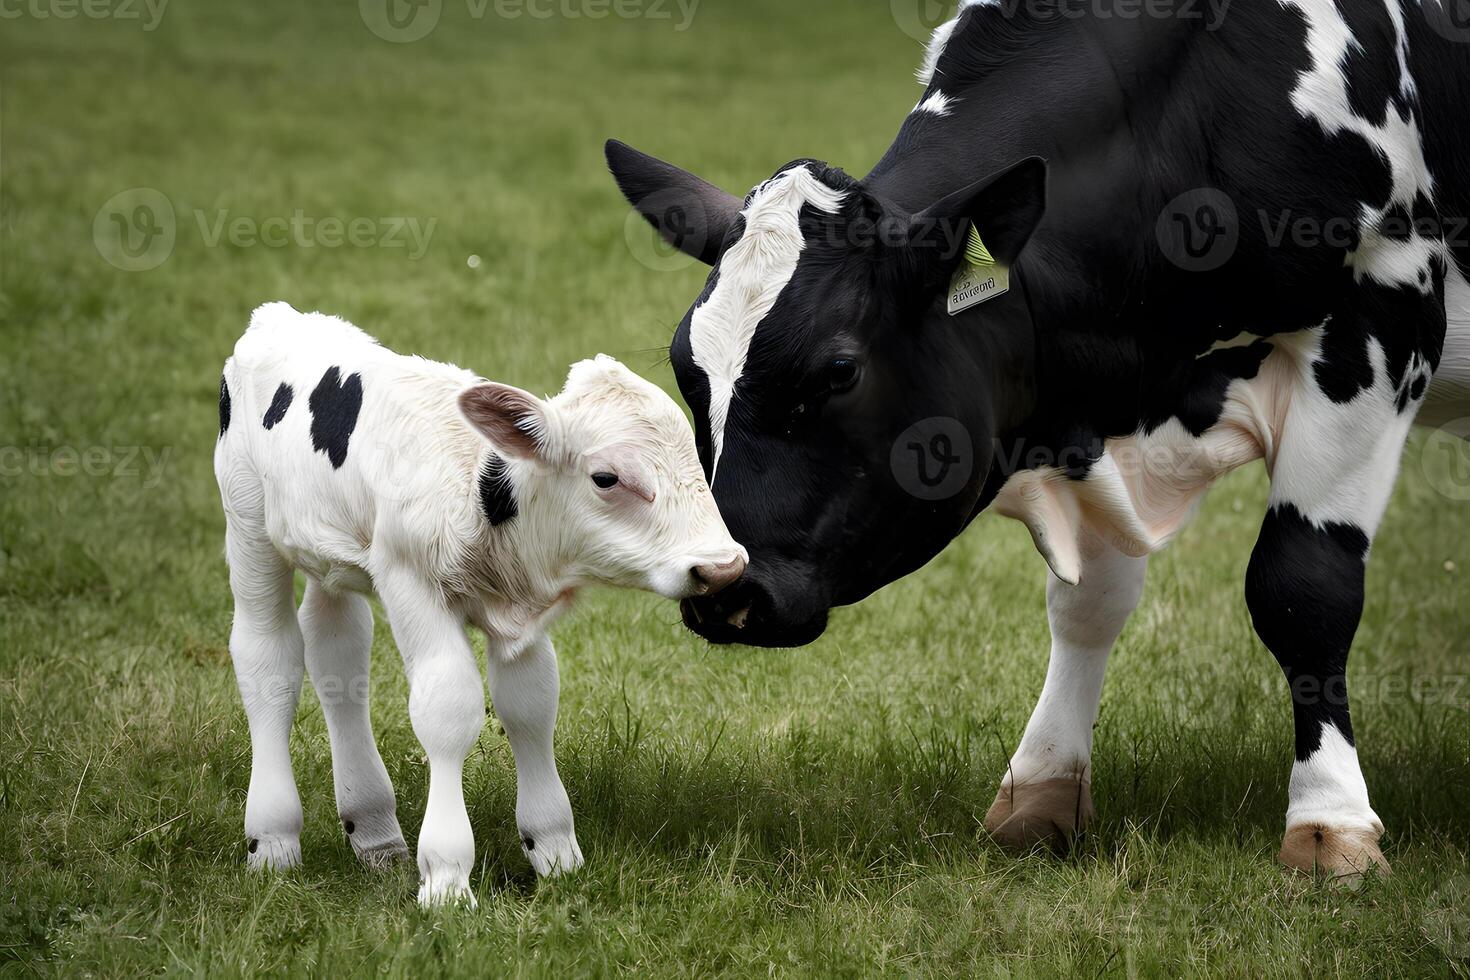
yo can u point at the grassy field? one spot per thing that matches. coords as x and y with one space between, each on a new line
805 812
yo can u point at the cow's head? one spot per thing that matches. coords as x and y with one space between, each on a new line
605 476
827 382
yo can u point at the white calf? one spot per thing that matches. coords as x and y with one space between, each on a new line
459 501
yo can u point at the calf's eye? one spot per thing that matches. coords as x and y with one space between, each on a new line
605 481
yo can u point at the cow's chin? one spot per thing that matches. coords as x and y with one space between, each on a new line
783 610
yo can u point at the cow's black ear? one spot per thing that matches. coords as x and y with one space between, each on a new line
691 214
1005 209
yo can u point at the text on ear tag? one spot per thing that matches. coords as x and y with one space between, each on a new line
979 277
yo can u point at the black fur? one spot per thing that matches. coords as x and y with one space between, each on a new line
279 404
1304 587
334 406
224 406
497 493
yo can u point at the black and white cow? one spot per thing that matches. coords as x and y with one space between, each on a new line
458 501
1226 241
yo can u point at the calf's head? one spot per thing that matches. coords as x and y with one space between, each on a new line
846 422
606 477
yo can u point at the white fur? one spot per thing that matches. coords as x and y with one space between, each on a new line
935 49
1328 789
752 274
402 517
936 103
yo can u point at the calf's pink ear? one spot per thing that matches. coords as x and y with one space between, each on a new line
512 419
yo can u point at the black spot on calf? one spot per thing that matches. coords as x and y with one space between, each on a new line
334 406
279 404
224 405
497 495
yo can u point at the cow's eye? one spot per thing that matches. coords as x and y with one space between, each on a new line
605 481
842 374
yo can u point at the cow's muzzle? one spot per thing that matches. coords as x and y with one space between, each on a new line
755 613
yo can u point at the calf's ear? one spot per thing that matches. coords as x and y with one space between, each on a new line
691 214
514 420
1004 208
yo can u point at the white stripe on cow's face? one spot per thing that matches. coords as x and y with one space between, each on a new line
752 274
937 103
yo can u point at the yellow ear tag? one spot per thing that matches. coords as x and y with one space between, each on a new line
979 277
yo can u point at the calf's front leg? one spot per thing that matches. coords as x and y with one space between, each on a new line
446 704
1045 796
524 689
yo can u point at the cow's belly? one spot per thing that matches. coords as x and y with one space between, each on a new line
1146 486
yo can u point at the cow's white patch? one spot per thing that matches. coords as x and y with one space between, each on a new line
1321 94
752 274
935 49
936 103
1328 788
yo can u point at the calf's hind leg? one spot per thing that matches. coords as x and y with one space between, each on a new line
266 647
338 628
1045 796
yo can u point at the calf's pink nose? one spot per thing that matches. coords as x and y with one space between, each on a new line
713 578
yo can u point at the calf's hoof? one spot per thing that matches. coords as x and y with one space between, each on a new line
1049 811
267 853
377 843
446 889
1342 855
551 854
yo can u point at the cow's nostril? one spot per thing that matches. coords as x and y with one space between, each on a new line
713 578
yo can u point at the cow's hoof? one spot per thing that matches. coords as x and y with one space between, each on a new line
1342 855
272 853
1049 811
552 855
378 843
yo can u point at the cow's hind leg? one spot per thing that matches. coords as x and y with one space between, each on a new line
1332 473
266 647
1045 796
338 628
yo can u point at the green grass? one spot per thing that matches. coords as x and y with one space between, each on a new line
812 811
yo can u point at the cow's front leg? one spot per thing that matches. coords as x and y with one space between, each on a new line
446 704
1045 795
524 690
